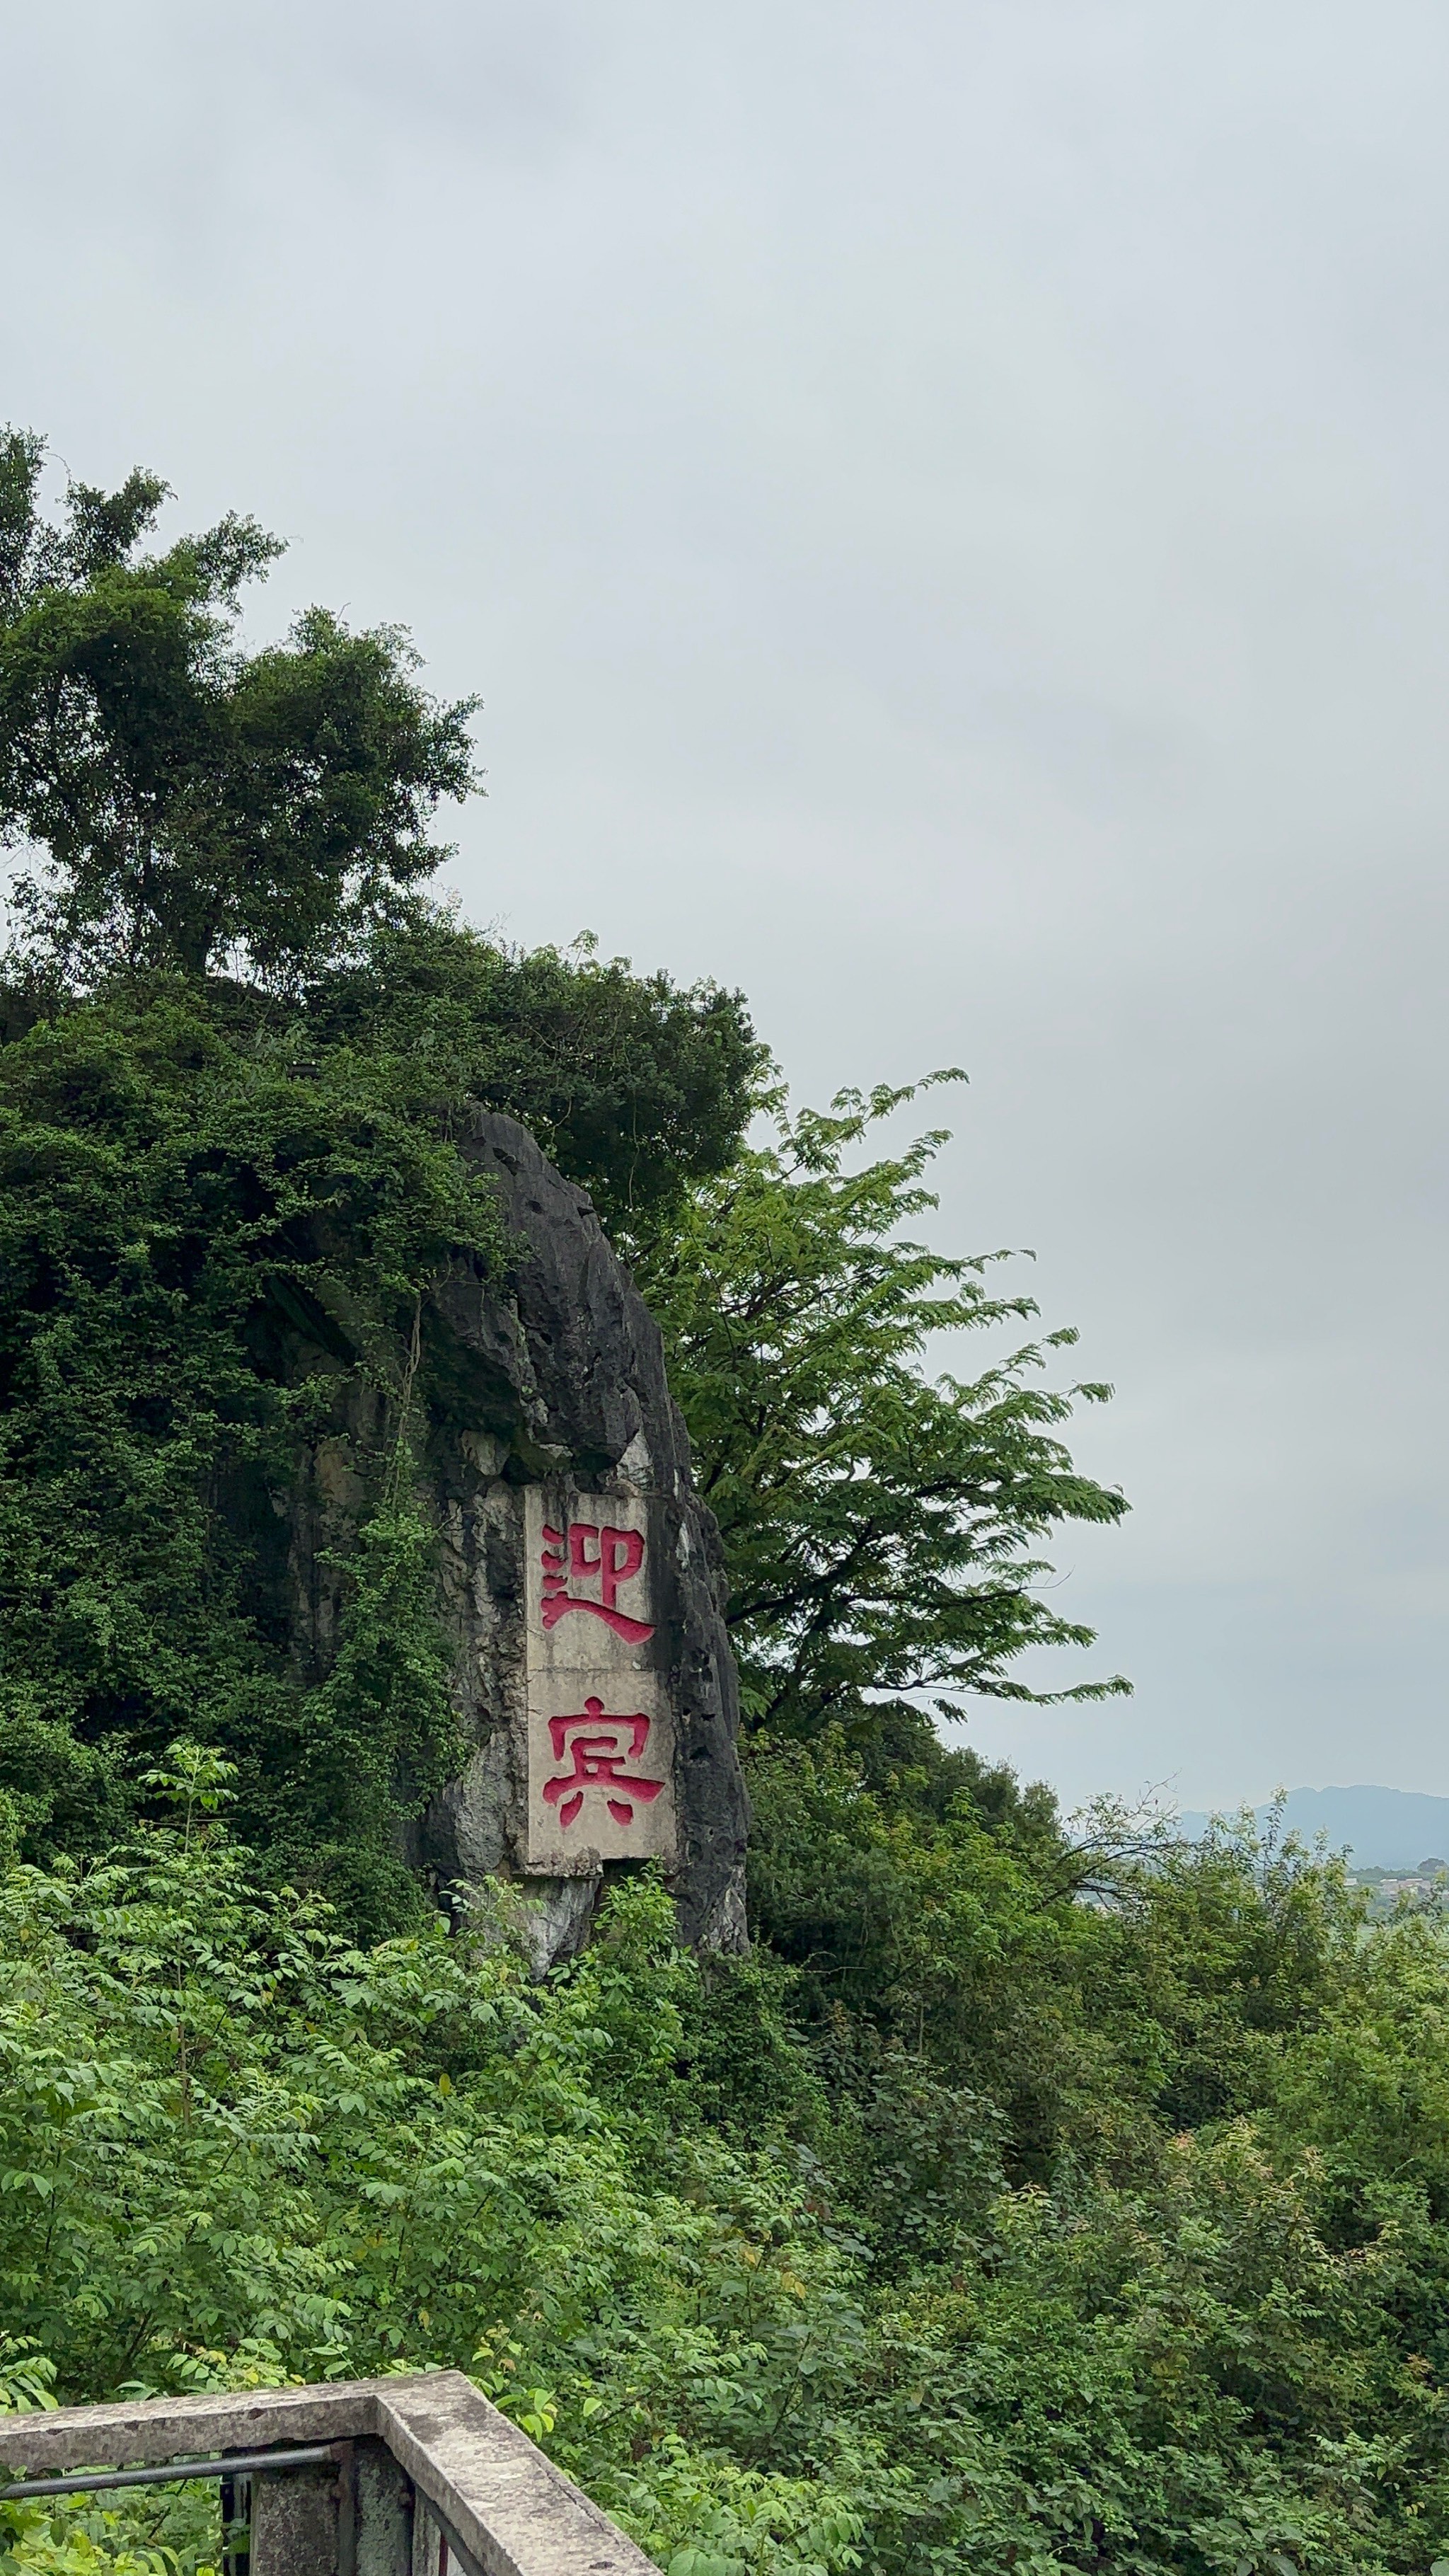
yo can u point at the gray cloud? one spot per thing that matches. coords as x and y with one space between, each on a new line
945 507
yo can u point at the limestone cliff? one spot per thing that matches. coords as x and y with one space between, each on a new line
581 1578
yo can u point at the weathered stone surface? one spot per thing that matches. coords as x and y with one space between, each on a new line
295 2517
545 1409
554 1384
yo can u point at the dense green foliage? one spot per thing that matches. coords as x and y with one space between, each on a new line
200 805
741 2245
170 1197
223 1195
217 1220
636 1088
879 1526
1021 2203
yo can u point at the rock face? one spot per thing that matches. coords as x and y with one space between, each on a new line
582 1578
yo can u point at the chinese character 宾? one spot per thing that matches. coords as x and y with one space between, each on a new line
599 1750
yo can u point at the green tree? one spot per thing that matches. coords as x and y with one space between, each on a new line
234 1058
880 1525
200 806
635 1087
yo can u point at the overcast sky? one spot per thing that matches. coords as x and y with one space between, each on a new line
945 503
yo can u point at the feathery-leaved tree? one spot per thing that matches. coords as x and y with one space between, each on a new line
881 1525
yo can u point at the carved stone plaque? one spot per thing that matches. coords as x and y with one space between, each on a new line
600 1728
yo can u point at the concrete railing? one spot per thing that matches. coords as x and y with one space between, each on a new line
415 2476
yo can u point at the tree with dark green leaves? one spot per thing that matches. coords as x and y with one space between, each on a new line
258 823
201 807
235 1048
635 1087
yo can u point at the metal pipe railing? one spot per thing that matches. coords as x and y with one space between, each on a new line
232 2464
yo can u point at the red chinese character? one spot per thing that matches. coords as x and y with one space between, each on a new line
599 1754
616 1559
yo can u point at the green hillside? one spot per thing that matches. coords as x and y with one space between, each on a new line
1022 2201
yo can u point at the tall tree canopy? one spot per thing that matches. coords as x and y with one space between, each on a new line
200 806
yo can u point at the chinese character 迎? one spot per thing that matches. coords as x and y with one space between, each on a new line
599 1752
617 1558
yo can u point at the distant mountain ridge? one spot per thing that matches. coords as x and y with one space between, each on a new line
1384 1828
